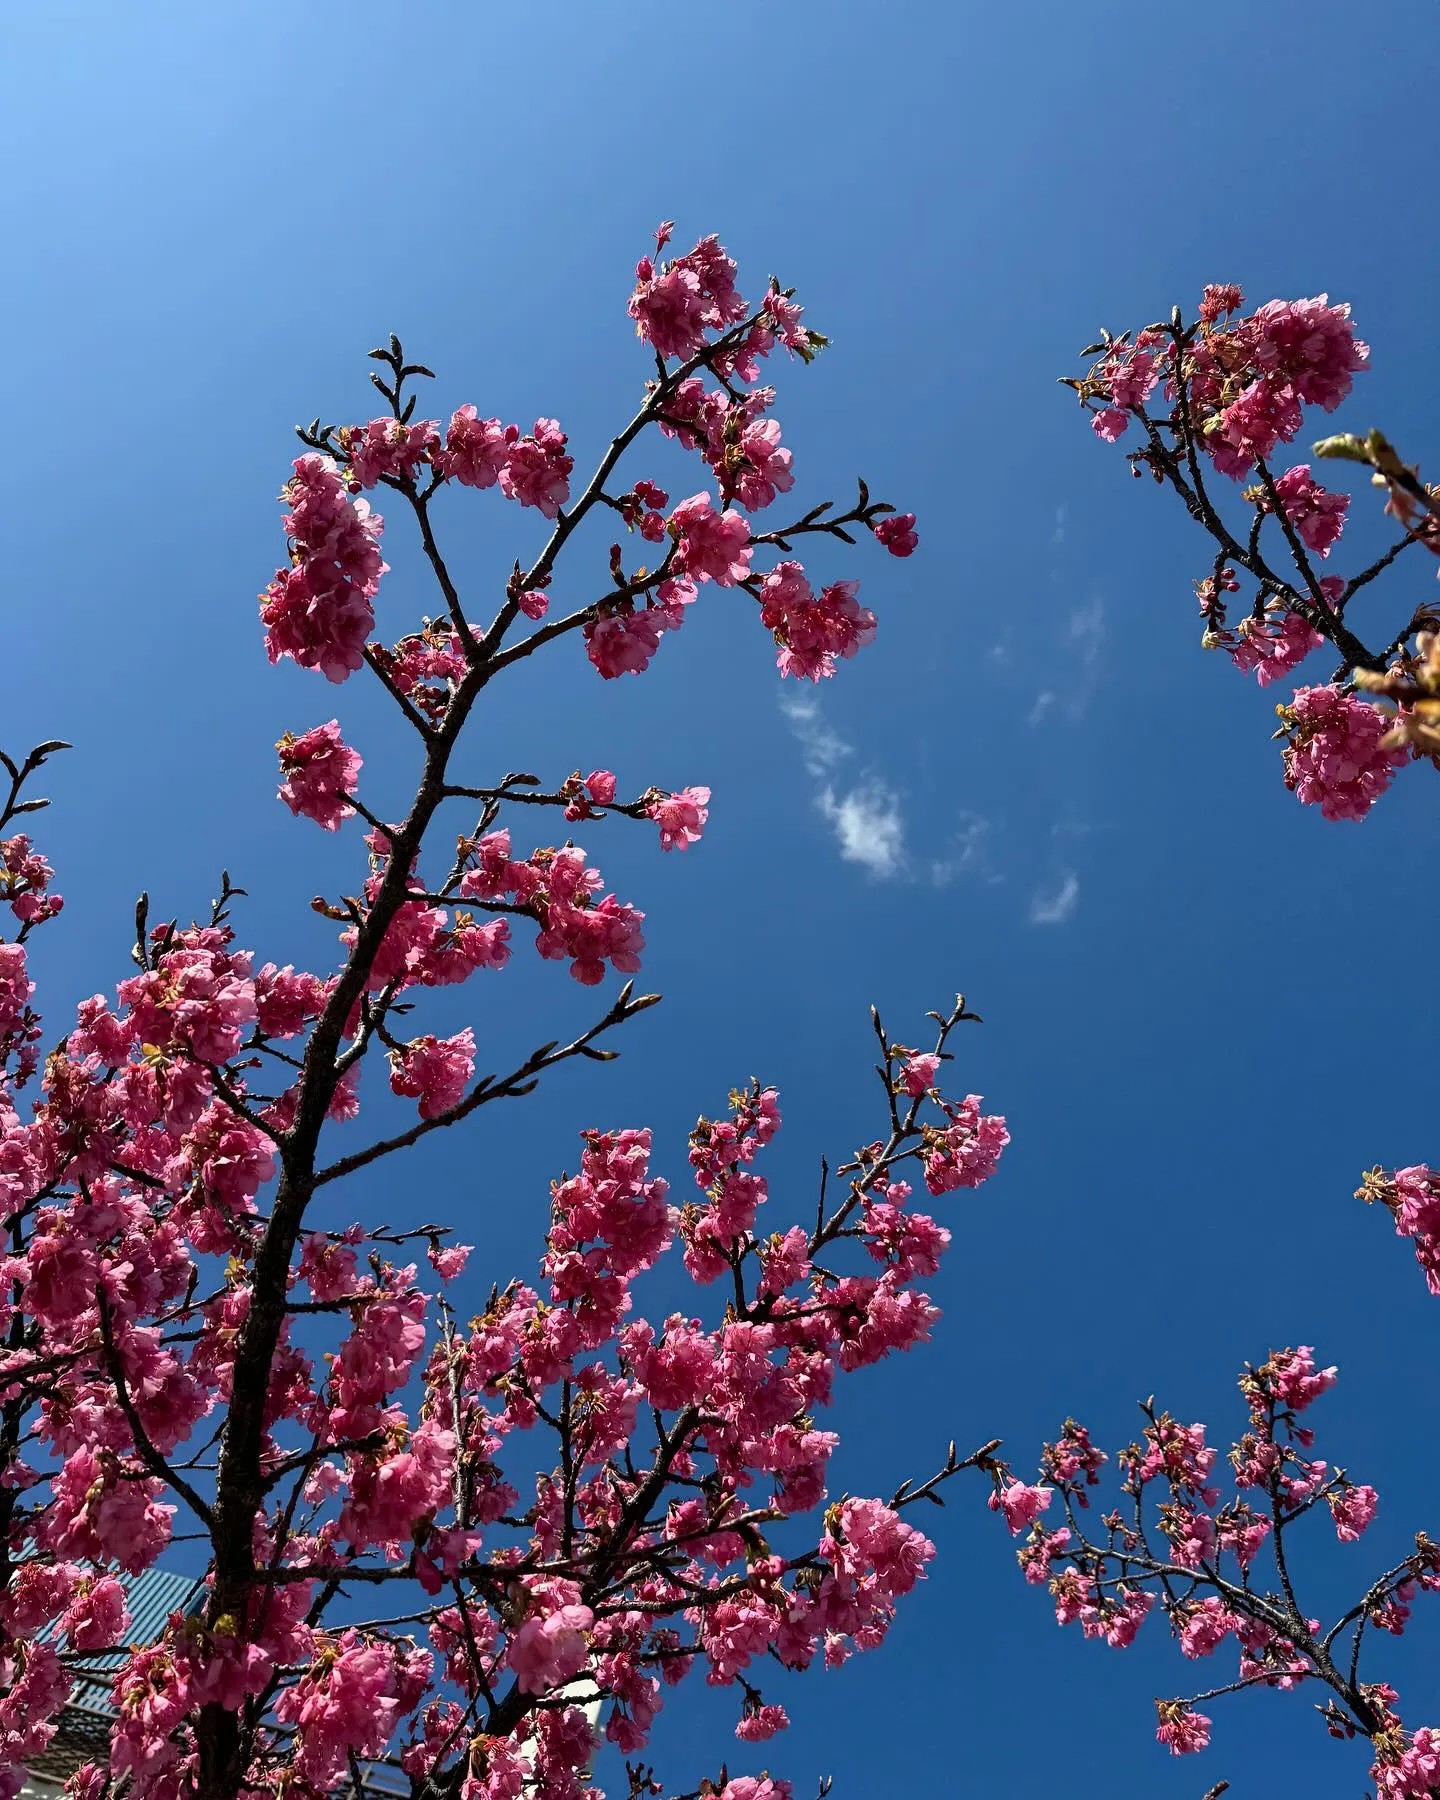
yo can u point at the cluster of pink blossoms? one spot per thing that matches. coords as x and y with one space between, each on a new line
734 438
736 1402
1287 355
1233 389
675 305
157 1302
1248 381
1272 647
713 546
1413 1197
25 876
964 1152
812 630
563 894
320 611
1177 1547
533 470
681 817
1317 514
16 988
622 639
320 771
898 534
434 1071
1406 1766
1336 756
1271 642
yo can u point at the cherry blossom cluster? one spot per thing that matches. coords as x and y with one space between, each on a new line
668 1529
1413 1198
1338 753
484 1548
25 878
1221 396
689 311
1246 380
1205 1546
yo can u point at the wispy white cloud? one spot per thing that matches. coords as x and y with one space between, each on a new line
1074 668
968 856
1087 630
867 816
1061 514
869 825
1054 905
822 748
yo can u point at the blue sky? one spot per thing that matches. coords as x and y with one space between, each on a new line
1189 983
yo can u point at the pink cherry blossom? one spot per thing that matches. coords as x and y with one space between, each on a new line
435 1071
476 450
681 817
1206 1627
673 308
536 470
1317 514
1335 759
1414 1197
1020 1504
812 632
1131 378
1295 1380
756 1787
1309 344
24 877
918 1074
319 611
967 1151
669 309
713 546
1220 299
1273 650
898 534
550 1647
320 771
15 988
388 447
766 467
761 1723
449 1260
1353 1509
623 642
98 1617
1182 1731
1408 1771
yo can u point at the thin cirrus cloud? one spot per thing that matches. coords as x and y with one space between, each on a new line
967 855
867 818
1055 903
866 815
1074 668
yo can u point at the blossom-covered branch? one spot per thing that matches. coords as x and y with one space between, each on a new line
563 1507
1219 1569
1235 389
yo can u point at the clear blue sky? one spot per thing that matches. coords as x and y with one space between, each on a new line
212 212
